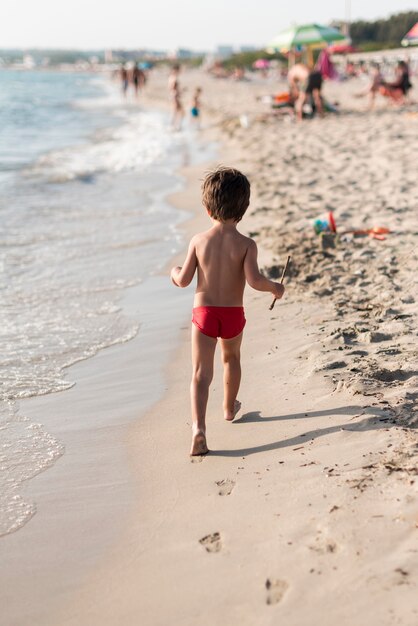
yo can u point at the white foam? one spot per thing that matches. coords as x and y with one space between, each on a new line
67 253
26 449
140 141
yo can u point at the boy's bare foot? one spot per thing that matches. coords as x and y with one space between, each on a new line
230 416
199 445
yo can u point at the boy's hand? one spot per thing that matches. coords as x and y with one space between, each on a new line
174 273
278 290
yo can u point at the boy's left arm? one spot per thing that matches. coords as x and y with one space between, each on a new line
183 276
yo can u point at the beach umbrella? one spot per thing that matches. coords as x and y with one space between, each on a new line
306 35
261 64
411 37
342 48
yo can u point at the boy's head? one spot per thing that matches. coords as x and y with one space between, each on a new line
226 194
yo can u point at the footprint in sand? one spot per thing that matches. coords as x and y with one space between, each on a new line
376 337
328 546
226 486
275 590
211 543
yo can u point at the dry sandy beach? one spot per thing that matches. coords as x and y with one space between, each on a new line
305 510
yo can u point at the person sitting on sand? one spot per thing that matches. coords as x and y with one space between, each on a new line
399 88
374 87
224 260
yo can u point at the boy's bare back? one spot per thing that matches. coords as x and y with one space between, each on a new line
225 260
220 255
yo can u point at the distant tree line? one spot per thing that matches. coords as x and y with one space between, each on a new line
383 33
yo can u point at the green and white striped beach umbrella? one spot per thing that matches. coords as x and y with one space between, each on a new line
306 35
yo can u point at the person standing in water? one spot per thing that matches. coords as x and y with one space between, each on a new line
124 79
136 79
196 106
175 97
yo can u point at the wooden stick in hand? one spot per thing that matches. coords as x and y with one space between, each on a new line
281 281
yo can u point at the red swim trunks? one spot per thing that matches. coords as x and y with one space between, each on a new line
219 321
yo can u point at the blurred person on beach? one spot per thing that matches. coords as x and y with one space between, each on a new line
138 79
195 106
175 97
217 70
305 85
124 77
238 74
374 87
350 69
398 90
224 260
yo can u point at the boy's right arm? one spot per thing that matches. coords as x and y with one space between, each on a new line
253 276
182 276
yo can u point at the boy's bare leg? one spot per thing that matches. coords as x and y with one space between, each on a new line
203 350
318 102
231 356
299 104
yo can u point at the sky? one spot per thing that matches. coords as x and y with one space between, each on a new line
169 24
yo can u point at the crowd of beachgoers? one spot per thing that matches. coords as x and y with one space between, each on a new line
387 77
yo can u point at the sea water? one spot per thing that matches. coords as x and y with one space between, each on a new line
83 216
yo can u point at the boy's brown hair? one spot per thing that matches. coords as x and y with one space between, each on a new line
226 194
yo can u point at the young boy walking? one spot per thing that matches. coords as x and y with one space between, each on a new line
225 260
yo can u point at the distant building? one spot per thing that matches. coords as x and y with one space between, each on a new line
247 48
223 52
154 55
108 56
140 54
182 54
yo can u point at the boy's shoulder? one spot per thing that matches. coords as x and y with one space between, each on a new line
246 241
208 234
249 240
200 236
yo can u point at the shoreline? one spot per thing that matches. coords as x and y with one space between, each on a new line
154 195
92 480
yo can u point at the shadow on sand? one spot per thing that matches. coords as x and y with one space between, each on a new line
377 418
